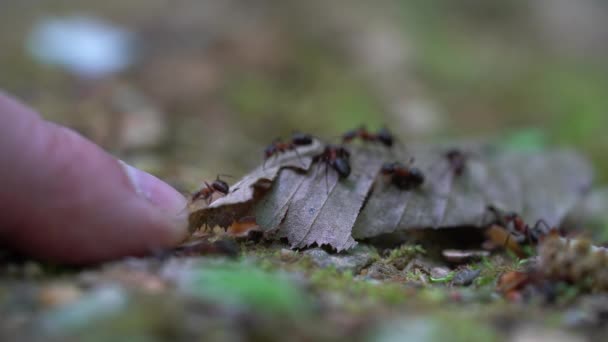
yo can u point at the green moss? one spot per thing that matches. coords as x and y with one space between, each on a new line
445 279
356 290
492 268
462 327
242 284
405 251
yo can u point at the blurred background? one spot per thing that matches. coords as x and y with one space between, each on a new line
188 89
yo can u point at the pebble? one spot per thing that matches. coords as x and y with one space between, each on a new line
465 277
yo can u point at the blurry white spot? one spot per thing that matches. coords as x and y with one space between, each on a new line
85 46
420 117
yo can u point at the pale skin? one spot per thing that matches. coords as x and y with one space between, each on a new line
65 200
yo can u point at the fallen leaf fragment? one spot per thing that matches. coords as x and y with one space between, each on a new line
307 203
325 212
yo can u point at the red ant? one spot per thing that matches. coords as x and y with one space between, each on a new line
404 177
383 136
531 234
207 191
338 158
277 146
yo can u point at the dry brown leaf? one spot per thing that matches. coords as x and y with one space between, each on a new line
308 204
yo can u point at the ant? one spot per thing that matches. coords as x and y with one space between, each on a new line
404 177
207 191
532 234
457 160
383 136
277 146
338 158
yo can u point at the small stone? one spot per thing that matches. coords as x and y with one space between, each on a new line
465 277
461 256
287 254
353 260
440 272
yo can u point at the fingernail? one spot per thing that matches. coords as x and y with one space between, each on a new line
157 192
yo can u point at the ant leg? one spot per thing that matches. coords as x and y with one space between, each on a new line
208 197
499 218
542 232
544 223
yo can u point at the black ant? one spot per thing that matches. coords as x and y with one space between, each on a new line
457 160
532 234
277 146
338 158
383 136
208 190
403 177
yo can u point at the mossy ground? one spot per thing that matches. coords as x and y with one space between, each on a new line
272 292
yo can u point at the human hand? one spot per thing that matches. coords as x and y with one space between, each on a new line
63 199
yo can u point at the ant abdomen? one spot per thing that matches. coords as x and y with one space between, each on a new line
342 167
403 177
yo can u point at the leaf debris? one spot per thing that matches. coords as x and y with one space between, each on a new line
307 202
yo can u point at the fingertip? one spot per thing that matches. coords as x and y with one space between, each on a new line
164 199
154 190
66 200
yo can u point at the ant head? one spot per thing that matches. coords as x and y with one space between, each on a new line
301 139
269 151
